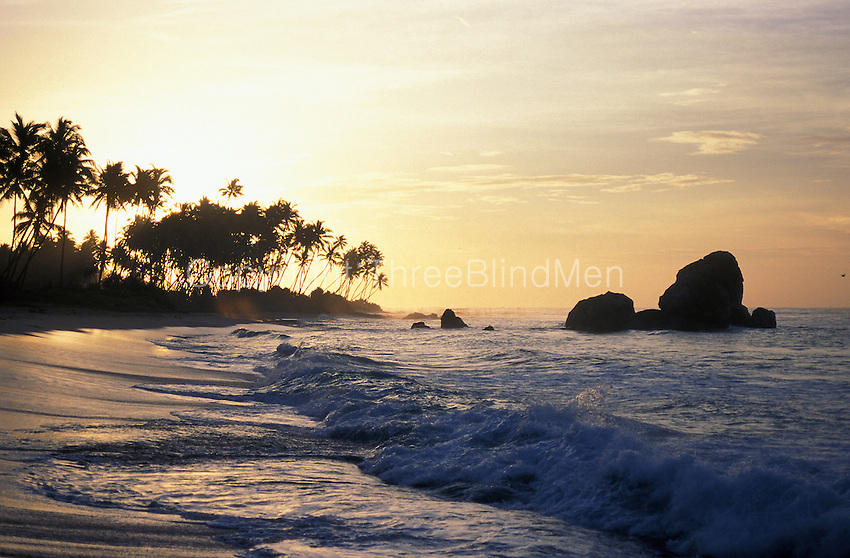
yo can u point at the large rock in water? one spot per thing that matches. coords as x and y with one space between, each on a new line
707 294
601 314
449 321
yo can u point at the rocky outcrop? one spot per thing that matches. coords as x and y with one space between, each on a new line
421 316
740 316
707 294
602 314
450 321
419 325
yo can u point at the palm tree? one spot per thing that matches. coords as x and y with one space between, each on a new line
332 256
287 225
250 222
381 281
310 238
352 268
112 189
279 219
66 172
19 158
152 188
35 223
368 260
232 190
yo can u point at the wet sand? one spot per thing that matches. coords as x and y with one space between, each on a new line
75 368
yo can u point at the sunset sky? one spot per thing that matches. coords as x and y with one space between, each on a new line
473 137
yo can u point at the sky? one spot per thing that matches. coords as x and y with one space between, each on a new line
499 153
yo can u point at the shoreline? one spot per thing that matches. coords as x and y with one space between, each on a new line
26 320
67 373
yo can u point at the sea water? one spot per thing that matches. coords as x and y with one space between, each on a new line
363 437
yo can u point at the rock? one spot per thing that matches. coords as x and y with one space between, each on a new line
489 328
651 319
601 314
707 294
449 321
740 316
419 325
762 318
421 316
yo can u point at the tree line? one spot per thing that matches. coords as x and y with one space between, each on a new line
46 167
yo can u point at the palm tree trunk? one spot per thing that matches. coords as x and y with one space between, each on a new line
62 252
103 251
14 222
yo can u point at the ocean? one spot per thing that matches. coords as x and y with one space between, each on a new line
362 437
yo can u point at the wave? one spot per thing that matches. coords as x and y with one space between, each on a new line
553 462
569 462
243 333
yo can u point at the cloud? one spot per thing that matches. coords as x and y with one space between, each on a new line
462 21
388 189
468 169
609 183
694 95
833 222
826 140
502 200
715 142
694 92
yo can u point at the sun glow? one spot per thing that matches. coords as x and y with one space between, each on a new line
451 134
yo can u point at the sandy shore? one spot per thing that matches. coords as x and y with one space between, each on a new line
15 319
78 368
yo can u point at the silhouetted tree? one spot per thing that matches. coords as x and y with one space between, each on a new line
282 219
112 189
65 172
232 190
19 159
311 238
207 243
333 258
48 168
369 259
151 188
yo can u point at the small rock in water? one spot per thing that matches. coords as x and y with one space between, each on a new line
763 318
450 321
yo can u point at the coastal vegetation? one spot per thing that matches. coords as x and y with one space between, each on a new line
194 251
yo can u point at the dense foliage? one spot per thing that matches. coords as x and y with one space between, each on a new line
201 246
210 245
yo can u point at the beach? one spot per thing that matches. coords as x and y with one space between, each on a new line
66 367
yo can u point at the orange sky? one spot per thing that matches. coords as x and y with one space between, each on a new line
632 135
